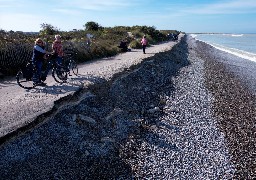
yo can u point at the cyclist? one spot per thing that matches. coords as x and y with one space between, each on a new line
58 49
37 59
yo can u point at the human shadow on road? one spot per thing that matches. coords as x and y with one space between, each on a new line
72 85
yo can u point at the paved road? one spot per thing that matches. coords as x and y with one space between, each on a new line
20 107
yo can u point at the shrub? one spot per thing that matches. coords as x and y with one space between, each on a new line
135 44
16 47
13 56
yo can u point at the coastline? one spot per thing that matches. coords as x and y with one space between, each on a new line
183 113
233 85
233 44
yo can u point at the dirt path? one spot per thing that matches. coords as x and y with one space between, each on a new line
19 107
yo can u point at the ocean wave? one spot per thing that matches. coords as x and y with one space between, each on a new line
233 35
236 35
234 51
193 35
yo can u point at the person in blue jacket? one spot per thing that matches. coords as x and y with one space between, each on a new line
38 57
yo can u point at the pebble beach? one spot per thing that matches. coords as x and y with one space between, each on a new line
186 113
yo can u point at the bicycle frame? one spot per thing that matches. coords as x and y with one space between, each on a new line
71 64
59 72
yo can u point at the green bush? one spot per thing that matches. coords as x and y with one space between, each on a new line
13 56
135 44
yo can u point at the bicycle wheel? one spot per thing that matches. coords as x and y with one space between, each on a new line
74 67
23 81
60 75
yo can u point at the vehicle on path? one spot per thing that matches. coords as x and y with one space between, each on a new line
71 64
24 76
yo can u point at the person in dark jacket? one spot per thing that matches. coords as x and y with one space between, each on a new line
123 46
38 57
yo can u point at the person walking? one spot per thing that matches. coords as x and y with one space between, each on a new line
144 42
37 59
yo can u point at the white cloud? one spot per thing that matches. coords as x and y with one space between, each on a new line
67 11
227 7
7 3
22 22
99 4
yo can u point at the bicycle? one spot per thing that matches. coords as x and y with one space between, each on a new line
24 76
59 72
71 64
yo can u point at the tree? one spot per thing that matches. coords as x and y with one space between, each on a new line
48 29
92 26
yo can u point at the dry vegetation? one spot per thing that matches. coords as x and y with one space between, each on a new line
16 47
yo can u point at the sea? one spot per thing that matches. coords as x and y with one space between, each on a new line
241 45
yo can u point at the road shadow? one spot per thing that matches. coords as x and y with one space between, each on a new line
73 84
7 82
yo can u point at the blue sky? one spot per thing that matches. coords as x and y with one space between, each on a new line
224 16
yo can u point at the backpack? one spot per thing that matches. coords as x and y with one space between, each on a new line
28 71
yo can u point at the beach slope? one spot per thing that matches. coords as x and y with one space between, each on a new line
186 112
